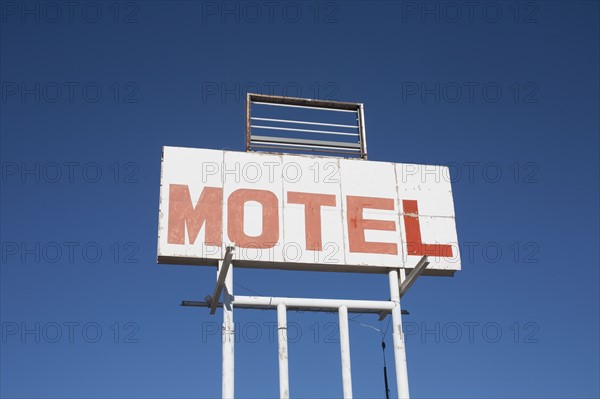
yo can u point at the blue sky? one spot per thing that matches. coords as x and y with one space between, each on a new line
506 93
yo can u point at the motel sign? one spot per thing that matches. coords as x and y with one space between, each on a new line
305 212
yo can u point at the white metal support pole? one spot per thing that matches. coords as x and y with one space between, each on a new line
345 350
228 336
399 348
402 278
284 383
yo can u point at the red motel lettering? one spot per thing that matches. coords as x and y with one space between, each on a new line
208 211
270 218
357 225
414 245
312 215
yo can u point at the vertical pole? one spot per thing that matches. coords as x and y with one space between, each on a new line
362 131
228 335
248 128
402 275
345 350
399 349
284 384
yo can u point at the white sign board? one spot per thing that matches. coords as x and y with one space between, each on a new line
304 212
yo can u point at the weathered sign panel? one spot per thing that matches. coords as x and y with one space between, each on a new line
304 212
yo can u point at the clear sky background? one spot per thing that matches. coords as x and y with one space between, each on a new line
506 93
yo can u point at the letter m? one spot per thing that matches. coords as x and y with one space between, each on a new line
182 215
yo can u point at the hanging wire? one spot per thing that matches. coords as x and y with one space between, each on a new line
353 319
383 335
387 328
246 288
385 376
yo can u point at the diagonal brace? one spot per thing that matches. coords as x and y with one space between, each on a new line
416 272
214 302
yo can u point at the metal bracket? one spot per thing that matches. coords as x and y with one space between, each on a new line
382 315
214 301
416 272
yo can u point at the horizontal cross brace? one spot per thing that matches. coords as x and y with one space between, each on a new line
305 304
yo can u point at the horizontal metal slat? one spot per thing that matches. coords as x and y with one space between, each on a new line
304 130
302 122
332 150
304 106
289 141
